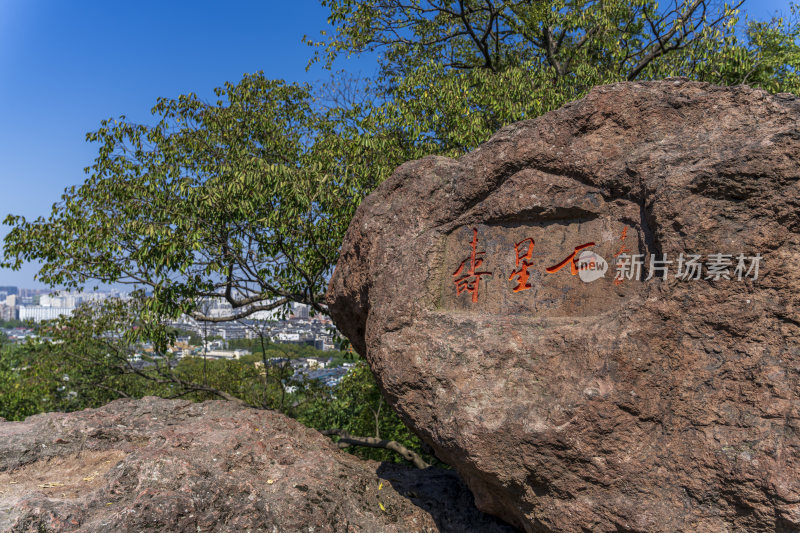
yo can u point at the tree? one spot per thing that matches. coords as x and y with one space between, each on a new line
276 367
452 72
245 200
25 389
99 350
94 355
357 414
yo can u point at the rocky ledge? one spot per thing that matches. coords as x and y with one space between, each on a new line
171 465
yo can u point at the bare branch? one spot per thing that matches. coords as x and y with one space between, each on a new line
346 440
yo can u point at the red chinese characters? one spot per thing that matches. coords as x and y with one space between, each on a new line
469 281
570 259
523 263
622 249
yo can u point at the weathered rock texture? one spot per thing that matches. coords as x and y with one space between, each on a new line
169 465
661 405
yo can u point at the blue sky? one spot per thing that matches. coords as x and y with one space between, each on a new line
65 66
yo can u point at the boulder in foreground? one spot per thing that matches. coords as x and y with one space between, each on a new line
172 465
482 292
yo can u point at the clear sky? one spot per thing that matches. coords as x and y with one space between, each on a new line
65 66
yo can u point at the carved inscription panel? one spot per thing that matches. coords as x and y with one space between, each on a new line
553 268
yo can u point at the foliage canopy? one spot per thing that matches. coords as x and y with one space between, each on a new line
245 199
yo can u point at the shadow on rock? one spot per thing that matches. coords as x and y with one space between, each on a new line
442 494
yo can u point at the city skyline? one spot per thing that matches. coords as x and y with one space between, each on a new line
37 305
296 326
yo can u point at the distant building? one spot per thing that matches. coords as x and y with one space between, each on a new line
19 334
38 313
30 293
287 337
300 310
226 354
274 314
8 312
40 304
318 362
71 299
323 344
215 345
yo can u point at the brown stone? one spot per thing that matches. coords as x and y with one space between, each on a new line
170 465
653 405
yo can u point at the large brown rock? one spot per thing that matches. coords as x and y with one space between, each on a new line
169 465
572 405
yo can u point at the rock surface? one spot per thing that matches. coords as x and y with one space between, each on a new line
572 404
170 465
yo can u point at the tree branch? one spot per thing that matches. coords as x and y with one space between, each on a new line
346 440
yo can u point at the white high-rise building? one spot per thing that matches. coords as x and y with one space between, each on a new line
38 313
300 310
